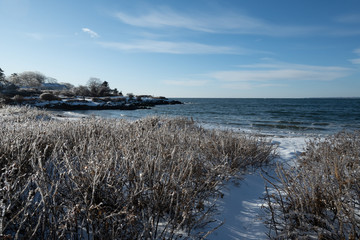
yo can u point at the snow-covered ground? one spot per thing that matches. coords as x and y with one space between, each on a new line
240 209
95 103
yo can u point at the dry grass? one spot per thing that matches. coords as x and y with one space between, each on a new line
114 179
22 114
320 199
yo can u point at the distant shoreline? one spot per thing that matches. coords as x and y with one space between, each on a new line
99 103
295 98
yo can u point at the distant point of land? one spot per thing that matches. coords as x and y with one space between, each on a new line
35 89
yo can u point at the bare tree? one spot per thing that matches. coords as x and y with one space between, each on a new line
51 80
81 91
94 82
67 85
28 79
13 78
98 88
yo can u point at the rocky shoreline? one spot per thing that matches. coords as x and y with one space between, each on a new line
118 103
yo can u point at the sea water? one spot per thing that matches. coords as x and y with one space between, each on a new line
279 117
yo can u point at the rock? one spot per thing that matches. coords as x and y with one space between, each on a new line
81 104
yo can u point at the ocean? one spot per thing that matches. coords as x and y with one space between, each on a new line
278 117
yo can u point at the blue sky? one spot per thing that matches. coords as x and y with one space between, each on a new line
189 48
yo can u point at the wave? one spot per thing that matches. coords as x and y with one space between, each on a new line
285 126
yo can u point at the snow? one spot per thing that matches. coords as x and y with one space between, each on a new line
241 208
53 86
44 103
80 101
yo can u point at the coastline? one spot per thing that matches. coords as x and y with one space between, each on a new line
106 103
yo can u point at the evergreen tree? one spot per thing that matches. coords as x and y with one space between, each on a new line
2 75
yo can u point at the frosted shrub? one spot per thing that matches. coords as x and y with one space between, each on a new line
49 97
11 115
18 98
115 179
319 198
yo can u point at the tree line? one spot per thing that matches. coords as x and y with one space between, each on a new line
35 82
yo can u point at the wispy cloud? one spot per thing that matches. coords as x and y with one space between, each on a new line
249 85
239 86
264 75
275 72
43 36
356 60
350 18
174 47
221 23
163 17
282 72
35 36
91 33
279 74
186 83
357 51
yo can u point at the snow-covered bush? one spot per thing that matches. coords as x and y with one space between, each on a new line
320 198
81 91
27 79
49 97
18 98
115 179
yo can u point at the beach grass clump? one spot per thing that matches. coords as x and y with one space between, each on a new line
22 114
320 198
115 179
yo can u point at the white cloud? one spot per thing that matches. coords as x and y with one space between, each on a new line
90 32
164 17
264 75
225 22
35 36
272 74
357 51
281 71
42 36
350 18
174 47
234 23
356 60
279 74
238 86
249 85
186 83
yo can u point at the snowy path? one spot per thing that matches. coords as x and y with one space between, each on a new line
241 206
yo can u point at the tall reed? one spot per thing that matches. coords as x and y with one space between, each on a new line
96 179
320 198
